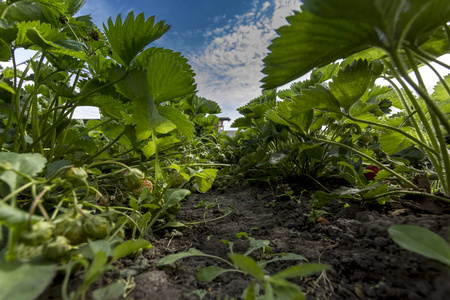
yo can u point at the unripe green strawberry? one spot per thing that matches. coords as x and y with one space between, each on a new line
76 175
26 252
133 178
72 229
38 234
174 209
145 183
176 180
57 248
95 227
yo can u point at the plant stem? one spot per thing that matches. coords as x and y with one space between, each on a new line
432 106
445 199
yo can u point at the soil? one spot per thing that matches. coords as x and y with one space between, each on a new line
364 261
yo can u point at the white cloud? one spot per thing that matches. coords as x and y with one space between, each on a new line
229 67
100 11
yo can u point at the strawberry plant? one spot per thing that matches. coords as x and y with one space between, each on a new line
372 40
59 177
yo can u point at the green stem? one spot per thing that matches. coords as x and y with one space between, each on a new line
409 136
427 56
435 159
435 112
413 193
407 183
5 9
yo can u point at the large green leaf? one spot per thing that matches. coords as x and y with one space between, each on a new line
129 38
351 83
327 30
422 241
24 281
26 163
169 76
43 10
133 85
310 41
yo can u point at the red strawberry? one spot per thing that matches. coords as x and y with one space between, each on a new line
373 172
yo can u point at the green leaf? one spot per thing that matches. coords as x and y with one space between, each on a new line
205 179
5 51
300 271
440 94
422 241
169 259
180 120
317 97
43 10
169 76
26 163
109 292
173 196
133 85
351 83
7 87
393 141
129 247
210 273
129 38
24 281
248 265
12 216
73 6
310 41
284 289
8 32
327 30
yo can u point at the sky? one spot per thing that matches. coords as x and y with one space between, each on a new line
224 40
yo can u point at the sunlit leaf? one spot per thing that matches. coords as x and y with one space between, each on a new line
351 83
205 179
129 38
169 76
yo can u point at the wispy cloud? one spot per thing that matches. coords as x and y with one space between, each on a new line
229 67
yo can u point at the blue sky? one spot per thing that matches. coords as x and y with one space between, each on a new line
224 40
